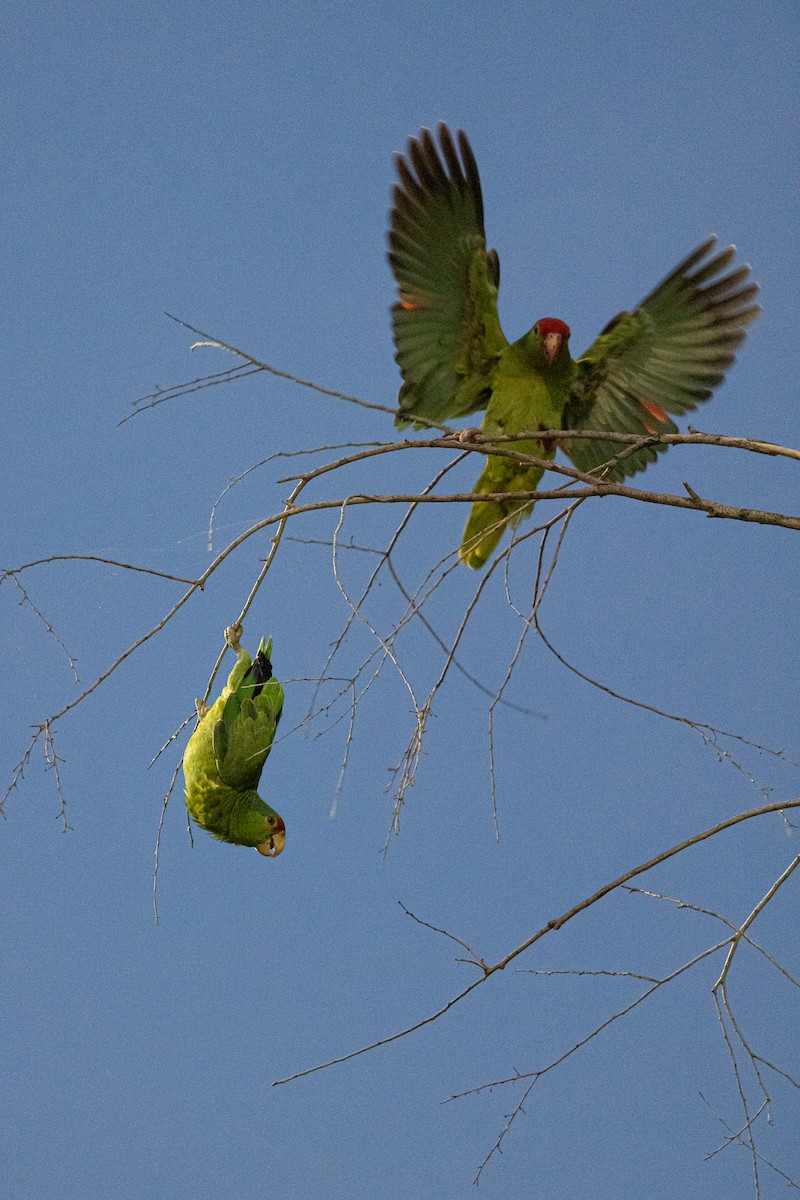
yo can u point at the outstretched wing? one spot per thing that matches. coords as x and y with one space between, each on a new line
665 357
446 329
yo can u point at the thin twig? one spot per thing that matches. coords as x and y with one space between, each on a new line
708 912
539 589
52 760
213 342
157 848
536 1075
474 958
111 562
708 732
71 660
734 1137
759 908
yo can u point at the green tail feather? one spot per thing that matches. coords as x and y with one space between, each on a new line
489 519
494 518
486 525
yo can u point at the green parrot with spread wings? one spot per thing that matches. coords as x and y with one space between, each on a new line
225 755
665 356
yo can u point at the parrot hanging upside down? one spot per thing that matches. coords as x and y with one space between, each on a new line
226 753
664 357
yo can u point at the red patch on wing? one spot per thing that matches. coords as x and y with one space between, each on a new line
547 325
654 411
408 304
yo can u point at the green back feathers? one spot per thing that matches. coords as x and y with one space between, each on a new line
242 736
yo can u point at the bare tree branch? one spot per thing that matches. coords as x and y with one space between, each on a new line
111 562
550 927
251 365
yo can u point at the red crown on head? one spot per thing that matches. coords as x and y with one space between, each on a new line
547 325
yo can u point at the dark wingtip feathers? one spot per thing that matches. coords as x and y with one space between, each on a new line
258 673
261 668
724 298
429 169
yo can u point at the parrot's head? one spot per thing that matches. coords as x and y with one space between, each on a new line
549 339
276 839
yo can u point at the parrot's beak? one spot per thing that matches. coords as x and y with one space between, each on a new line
274 844
552 345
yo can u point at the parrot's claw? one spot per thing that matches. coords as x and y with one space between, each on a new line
201 708
233 635
467 435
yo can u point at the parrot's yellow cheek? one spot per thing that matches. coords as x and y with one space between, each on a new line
273 846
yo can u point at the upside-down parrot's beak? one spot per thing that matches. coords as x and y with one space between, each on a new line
552 345
274 844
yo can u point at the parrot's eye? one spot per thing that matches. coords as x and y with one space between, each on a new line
270 820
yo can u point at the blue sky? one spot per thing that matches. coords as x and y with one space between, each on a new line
232 165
